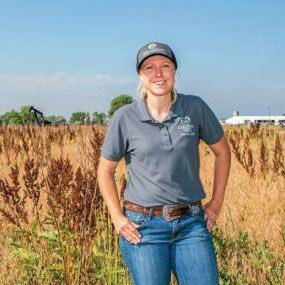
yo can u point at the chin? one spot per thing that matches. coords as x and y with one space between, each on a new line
161 92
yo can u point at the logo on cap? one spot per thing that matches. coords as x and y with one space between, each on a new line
151 46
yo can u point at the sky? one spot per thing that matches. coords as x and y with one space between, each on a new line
64 56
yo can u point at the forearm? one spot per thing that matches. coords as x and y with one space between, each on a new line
108 189
221 175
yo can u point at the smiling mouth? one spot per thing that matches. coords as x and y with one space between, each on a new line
159 83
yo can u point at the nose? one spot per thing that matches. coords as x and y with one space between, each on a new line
158 72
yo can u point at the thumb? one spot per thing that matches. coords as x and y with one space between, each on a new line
206 205
136 225
205 216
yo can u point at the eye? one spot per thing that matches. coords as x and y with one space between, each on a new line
148 68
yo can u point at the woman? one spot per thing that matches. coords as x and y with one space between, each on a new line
162 225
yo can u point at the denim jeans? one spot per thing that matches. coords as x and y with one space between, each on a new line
183 246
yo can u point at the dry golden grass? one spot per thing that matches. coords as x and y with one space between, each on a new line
254 202
254 205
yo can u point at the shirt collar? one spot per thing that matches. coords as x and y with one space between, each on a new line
175 111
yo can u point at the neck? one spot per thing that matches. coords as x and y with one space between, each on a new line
159 105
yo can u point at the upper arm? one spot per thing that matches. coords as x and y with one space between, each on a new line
220 147
107 166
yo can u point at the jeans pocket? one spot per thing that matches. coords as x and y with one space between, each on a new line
138 218
122 249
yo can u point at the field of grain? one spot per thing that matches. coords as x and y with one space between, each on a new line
55 228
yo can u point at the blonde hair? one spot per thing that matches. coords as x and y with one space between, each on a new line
141 91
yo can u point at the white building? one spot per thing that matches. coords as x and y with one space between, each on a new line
245 120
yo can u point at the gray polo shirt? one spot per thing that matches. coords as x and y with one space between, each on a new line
162 158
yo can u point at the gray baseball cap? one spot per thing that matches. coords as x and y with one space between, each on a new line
155 48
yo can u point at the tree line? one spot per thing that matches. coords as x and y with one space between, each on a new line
23 116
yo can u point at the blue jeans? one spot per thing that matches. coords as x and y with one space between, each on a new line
183 246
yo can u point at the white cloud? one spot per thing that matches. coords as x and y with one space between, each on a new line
60 81
62 92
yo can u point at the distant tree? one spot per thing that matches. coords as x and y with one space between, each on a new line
87 119
99 118
12 117
118 102
78 118
56 120
25 114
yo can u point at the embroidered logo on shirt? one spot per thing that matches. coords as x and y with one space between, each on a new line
185 126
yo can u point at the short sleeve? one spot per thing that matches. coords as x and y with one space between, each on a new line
210 129
114 146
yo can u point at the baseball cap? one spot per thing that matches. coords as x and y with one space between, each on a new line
155 48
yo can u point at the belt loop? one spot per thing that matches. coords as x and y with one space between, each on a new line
190 208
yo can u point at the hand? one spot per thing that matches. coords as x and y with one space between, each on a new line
212 210
127 229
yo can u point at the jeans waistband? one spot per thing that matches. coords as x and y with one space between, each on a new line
169 212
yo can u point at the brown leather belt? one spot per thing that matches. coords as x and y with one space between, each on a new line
169 212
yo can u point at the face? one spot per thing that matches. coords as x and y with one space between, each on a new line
157 74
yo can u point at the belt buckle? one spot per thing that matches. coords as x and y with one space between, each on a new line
194 209
165 213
